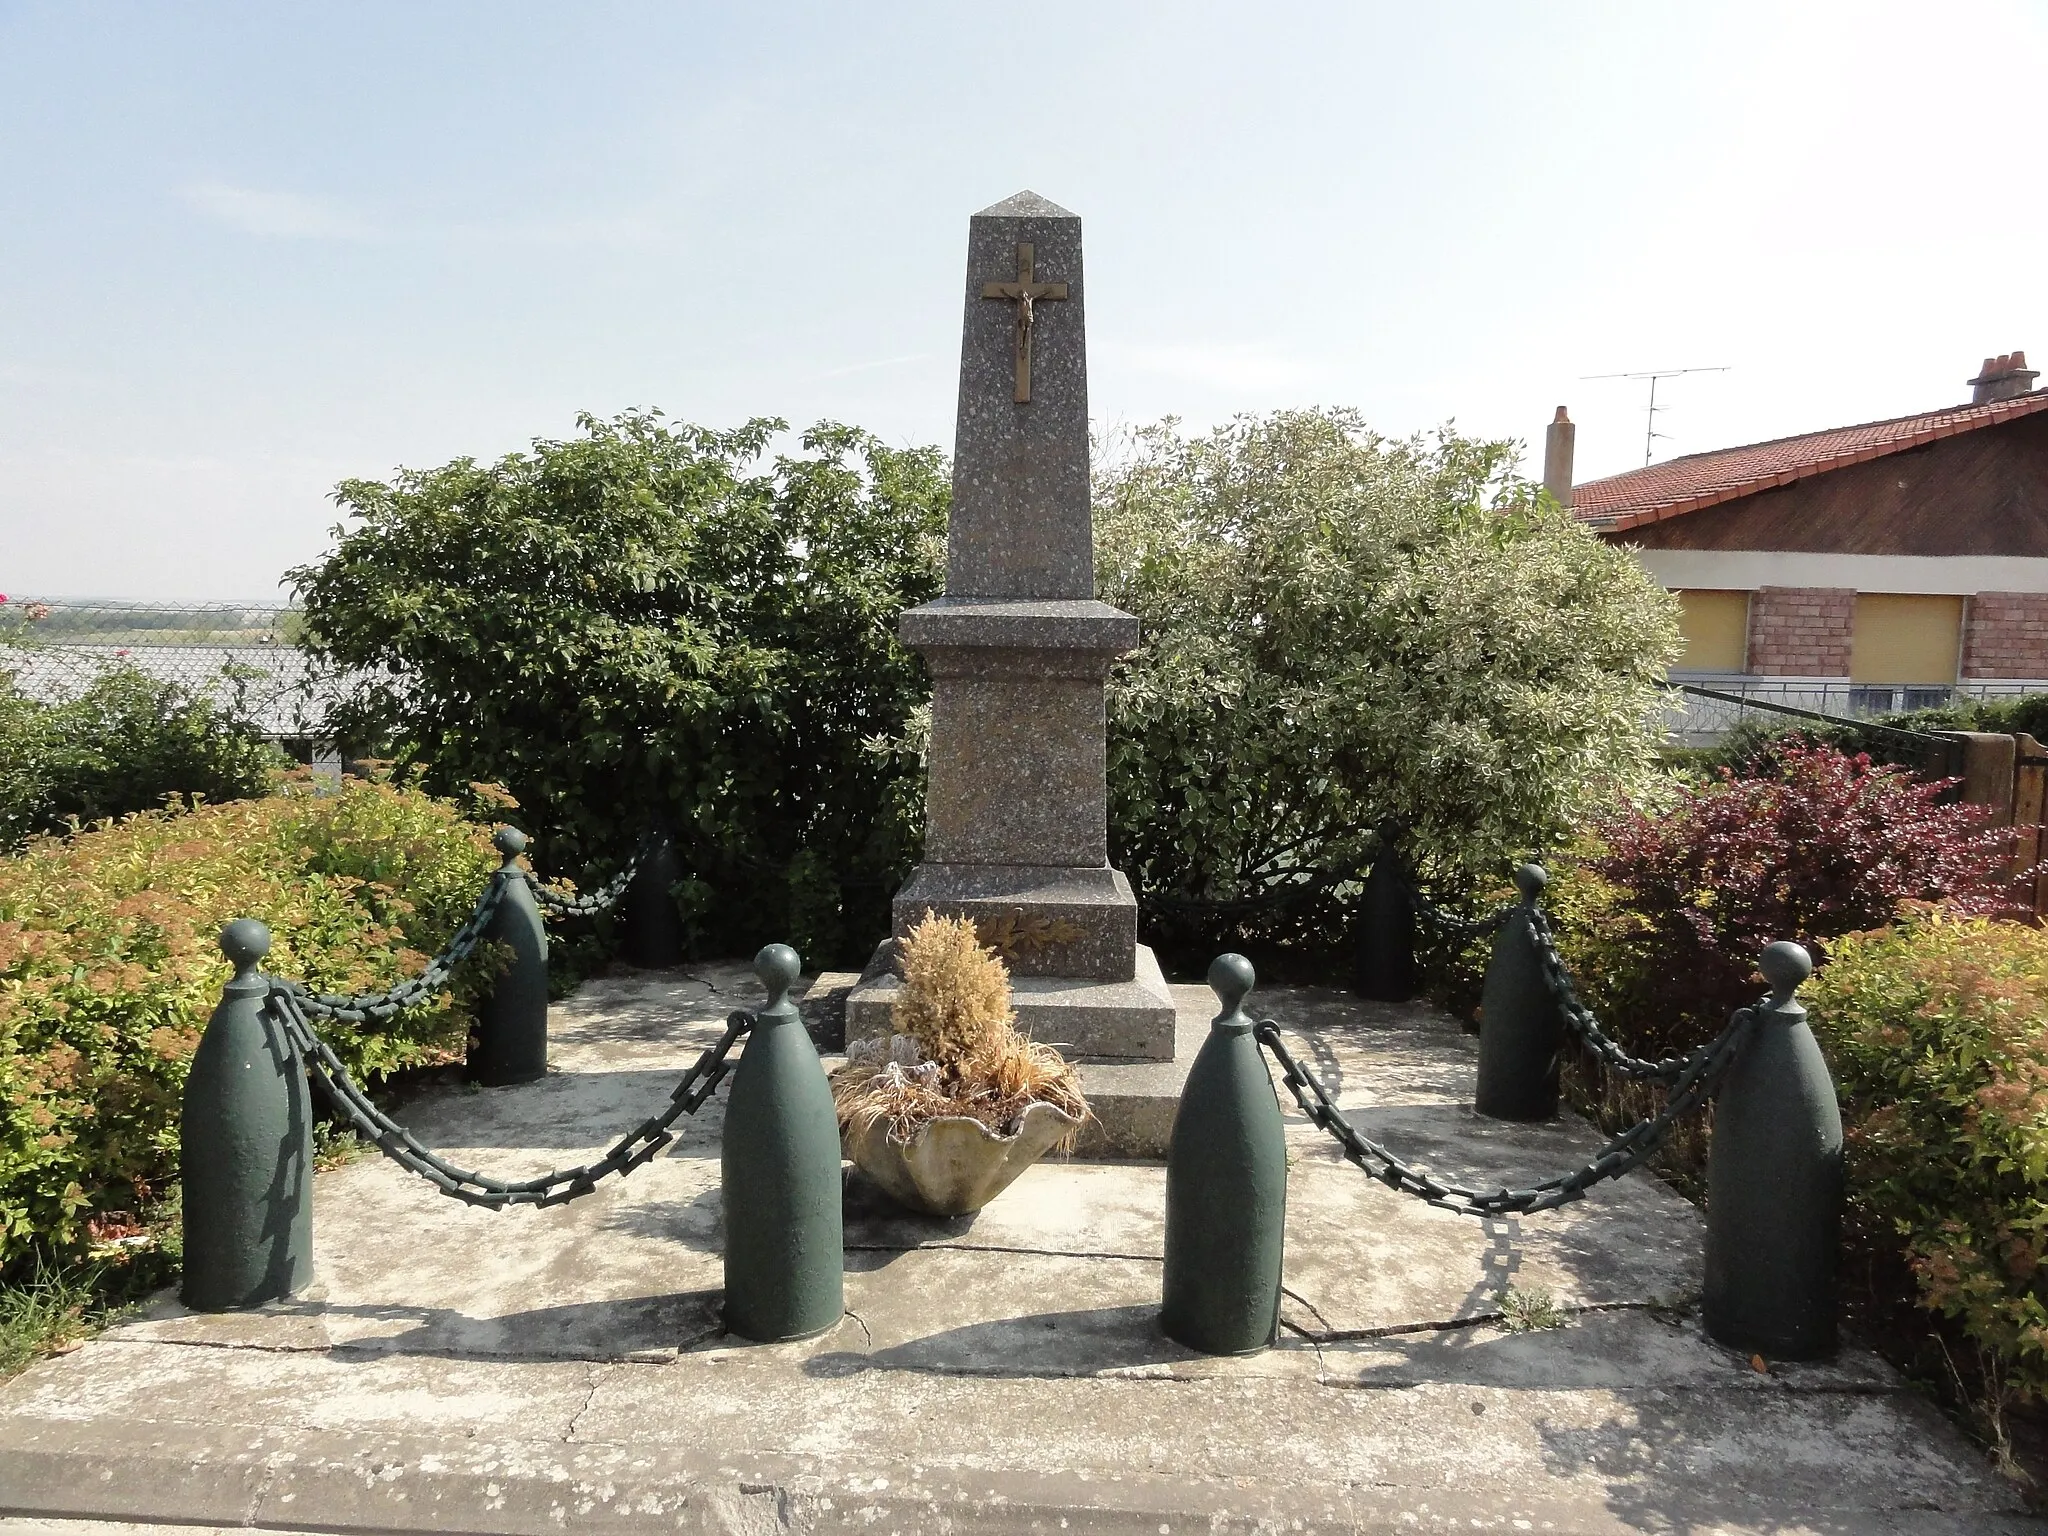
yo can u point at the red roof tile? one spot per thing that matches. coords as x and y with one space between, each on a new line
1677 486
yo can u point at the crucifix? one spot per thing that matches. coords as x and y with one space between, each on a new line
1024 293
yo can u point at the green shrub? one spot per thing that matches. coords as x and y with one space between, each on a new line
1344 632
126 743
109 968
1937 1030
640 624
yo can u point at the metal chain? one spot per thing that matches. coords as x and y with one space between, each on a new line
361 1008
1580 1021
1277 895
1622 1154
1455 931
583 905
397 1143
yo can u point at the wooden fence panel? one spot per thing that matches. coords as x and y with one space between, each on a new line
2030 820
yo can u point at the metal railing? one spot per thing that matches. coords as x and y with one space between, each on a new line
1704 708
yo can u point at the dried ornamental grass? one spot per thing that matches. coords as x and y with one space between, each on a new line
956 1051
955 993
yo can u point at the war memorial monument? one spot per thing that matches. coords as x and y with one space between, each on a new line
1017 832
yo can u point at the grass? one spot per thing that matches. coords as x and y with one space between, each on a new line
50 1306
337 1146
1530 1311
47 1313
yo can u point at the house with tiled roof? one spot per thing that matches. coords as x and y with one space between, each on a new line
1865 568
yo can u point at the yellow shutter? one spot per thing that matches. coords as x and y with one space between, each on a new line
1715 627
1904 638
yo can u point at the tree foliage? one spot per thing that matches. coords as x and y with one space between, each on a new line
1345 632
648 623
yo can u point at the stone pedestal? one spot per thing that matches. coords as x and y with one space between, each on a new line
1016 826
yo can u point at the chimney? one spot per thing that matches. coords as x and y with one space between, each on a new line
1557 457
2002 378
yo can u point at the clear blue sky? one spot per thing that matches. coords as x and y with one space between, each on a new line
247 250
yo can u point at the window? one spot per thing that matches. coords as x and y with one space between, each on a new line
1905 638
1715 628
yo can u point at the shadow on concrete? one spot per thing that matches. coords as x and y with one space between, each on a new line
697 1223
697 1023
589 1330
875 1221
1087 1342
1657 1479
566 1111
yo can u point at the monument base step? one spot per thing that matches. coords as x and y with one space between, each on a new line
1044 920
1133 1102
1084 1019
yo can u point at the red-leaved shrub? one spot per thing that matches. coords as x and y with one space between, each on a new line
1814 845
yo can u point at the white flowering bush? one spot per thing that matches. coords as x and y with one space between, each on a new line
1344 632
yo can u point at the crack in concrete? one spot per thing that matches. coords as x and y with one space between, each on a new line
866 1333
1475 1320
359 1351
1048 1253
589 1397
1288 1290
272 1469
1322 1365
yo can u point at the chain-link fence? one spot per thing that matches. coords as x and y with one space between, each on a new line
245 657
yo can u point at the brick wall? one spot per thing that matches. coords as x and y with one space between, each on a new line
1801 631
2005 634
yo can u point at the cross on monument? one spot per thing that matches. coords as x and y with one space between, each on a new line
1024 293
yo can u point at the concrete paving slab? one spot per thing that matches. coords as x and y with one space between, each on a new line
837 1444
455 1370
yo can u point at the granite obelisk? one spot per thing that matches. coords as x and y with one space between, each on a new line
1016 812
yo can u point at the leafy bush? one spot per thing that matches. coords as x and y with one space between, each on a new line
1664 919
638 624
126 743
110 967
2022 714
1937 1030
1344 632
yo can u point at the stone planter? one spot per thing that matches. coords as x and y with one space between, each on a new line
954 1165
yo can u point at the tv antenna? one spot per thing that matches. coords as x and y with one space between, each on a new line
1650 432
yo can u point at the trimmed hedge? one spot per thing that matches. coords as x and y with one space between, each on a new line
109 968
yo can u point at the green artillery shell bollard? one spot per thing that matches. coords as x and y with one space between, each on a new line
1520 1033
654 929
785 1246
1774 1183
1386 932
1226 1187
512 1023
245 1138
